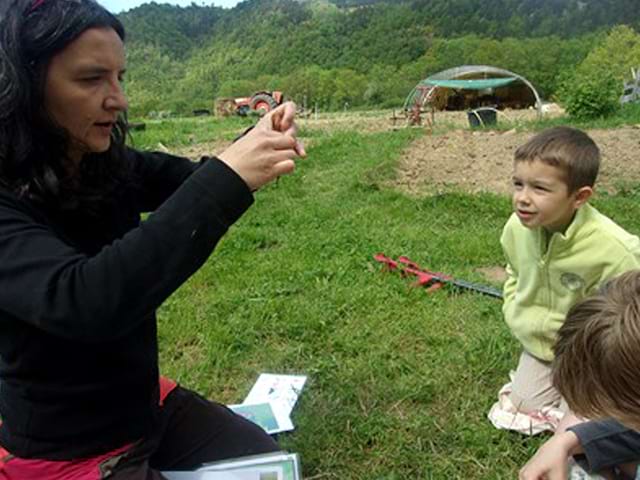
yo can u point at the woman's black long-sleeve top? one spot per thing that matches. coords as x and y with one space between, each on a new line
78 346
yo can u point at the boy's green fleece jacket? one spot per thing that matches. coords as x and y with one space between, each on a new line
548 275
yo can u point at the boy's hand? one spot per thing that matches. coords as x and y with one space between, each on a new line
267 151
551 460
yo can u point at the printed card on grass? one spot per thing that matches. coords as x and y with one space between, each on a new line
281 390
270 416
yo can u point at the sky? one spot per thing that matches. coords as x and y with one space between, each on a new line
117 6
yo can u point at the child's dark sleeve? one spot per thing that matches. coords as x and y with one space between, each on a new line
607 443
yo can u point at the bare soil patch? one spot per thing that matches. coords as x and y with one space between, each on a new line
364 122
382 120
196 151
481 161
463 159
495 274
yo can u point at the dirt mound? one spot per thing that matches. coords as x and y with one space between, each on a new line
476 161
196 151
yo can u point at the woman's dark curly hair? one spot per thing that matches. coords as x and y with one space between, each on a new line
33 149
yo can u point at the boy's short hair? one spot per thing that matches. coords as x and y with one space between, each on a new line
597 353
569 149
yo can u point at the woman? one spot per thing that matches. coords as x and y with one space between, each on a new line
81 276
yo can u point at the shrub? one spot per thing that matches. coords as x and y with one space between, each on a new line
590 94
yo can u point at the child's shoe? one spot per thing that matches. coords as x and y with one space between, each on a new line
505 415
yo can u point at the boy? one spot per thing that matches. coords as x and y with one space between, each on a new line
601 340
559 249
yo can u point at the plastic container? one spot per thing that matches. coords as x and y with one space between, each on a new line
482 116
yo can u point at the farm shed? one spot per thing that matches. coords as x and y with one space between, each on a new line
472 86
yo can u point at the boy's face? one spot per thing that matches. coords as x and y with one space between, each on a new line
541 197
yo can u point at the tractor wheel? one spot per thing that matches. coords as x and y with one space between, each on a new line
263 103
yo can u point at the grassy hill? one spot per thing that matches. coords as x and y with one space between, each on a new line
360 53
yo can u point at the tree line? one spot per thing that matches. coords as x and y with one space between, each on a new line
360 53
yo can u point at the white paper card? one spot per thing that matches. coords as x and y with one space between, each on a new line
282 390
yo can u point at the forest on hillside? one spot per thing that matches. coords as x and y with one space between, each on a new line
365 53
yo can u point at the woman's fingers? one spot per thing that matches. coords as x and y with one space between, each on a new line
267 151
284 167
287 141
300 149
293 131
278 141
279 156
281 118
262 158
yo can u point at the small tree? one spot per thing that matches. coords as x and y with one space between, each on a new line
590 95
595 87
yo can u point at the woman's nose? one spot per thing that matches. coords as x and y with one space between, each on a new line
116 99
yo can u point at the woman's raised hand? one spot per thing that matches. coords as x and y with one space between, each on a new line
269 150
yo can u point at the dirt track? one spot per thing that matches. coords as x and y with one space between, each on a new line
475 161
482 160
466 160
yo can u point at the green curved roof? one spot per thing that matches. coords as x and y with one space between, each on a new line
473 84
456 78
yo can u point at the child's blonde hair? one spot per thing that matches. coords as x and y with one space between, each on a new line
597 354
569 149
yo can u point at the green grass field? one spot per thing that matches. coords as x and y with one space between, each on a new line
400 380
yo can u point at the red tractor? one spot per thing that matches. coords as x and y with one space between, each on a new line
260 102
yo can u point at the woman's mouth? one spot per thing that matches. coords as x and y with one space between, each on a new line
105 127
